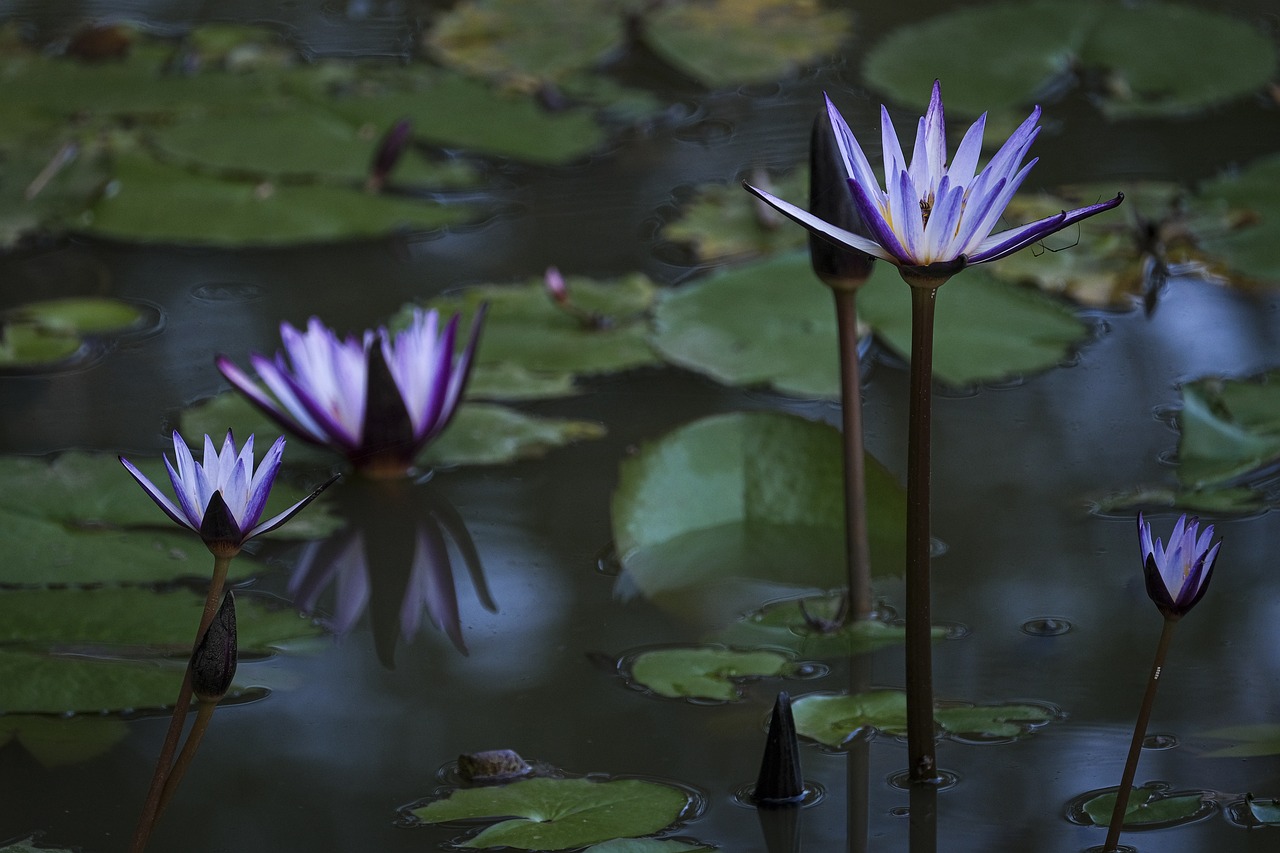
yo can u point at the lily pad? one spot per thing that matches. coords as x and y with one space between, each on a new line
736 326
723 222
559 814
783 625
481 434
703 672
1214 500
726 42
746 500
1229 429
526 330
115 649
1265 812
1042 46
1150 807
1252 194
1250 741
28 345
59 741
647 845
76 315
835 719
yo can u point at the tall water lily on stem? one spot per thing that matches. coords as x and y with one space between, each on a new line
378 398
930 220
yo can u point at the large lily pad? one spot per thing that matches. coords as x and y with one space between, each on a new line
703 672
751 501
1033 48
834 719
1252 195
1150 807
480 434
773 322
1229 428
559 814
115 649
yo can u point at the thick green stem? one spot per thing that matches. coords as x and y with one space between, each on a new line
1139 735
857 549
923 765
150 809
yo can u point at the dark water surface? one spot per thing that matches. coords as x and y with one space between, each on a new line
343 741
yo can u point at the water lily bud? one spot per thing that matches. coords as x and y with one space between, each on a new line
780 782
213 665
830 199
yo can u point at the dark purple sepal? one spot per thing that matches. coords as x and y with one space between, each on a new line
219 530
387 434
780 782
829 199
932 275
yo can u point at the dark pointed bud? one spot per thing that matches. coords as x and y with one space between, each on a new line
780 782
388 431
213 665
218 528
830 199
390 149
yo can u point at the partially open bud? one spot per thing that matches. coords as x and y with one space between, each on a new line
830 199
555 285
213 665
390 149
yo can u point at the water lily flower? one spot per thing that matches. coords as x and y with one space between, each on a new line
221 498
930 213
378 399
1178 576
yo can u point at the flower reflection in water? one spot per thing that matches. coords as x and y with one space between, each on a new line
394 561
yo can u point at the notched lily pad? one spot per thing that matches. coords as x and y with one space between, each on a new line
1044 46
1151 806
783 624
708 673
834 719
559 814
734 509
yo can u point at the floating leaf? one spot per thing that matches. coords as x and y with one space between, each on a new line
74 315
1229 428
783 624
645 845
1266 812
724 42
1252 245
26 345
703 672
114 649
1251 741
1150 807
834 719
737 327
723 222
745 499
480 434
1041 46
59 741
558 814
1214 500
525 328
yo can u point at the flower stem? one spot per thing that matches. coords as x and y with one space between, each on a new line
204 713
857 549
1139 734
151 808
923 765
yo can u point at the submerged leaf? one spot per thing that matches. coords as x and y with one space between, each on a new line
711 515
703 672
558 814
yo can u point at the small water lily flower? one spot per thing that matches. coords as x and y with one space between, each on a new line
931 214
1178 576
378 399
221 498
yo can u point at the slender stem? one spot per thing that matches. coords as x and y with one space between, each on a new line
204 713
857 549
1139 734
923 765
150 809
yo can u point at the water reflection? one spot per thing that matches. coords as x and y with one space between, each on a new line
392 560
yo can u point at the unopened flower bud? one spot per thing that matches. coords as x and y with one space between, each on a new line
213 665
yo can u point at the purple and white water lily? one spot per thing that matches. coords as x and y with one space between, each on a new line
222 497
1178 576
378 398
931 212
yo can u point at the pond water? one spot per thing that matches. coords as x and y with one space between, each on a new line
344 739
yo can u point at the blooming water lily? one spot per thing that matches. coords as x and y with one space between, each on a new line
223 497
379 405
931 212
1178 576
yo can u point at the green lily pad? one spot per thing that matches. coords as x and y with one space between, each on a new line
480 434
73 315
1150 807
27 845
1266 812
725 42
27 345
1213 500
783 625
559 814
723 222
1036 47
1229 428
59 741
507 380
704 672
736 326
525 330
647 845
85 491
834 719
115 649
751 501
1251 741
1252 244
